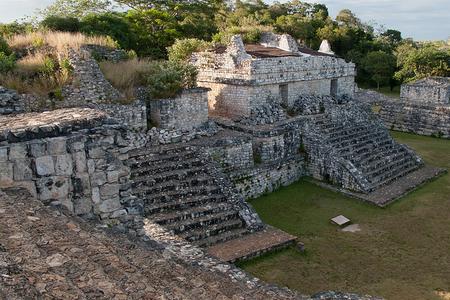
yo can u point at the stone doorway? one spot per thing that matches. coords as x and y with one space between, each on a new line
334 87
284 93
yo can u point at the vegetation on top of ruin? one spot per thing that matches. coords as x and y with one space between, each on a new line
38 63
162 79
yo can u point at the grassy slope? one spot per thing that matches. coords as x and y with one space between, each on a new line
402 252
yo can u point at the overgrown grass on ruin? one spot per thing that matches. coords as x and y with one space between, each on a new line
40 63
401 253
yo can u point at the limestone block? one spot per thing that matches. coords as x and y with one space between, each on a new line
63 165
38 148
113 176
17 151
81 184
119 213
6 173
54 187
96 195
82 205
98 178
91 166
3 154
79 158
57 146
45 166
110 205
109 190
22 170
96 153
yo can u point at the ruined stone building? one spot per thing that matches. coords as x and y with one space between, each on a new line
423 107
264 115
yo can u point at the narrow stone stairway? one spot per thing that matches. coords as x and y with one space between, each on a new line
181 194
368 148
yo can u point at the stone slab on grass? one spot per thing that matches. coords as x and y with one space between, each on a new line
252 245
340 220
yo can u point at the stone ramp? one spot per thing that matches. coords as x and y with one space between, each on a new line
252 245
387 194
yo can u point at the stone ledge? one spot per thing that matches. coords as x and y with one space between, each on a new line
252 245
387 194
29 126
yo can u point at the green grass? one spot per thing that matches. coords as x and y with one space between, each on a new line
402 252
386 90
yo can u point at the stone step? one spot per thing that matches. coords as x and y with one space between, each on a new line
221 237
172 216
386 167
178 204
149 187
165 151
205 223
376 153
370 138
349 132
395 156
173 161
393 175
138 177
201 233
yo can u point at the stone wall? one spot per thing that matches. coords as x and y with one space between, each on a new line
10 102
263 179
187 111
134 115
72 158
429 90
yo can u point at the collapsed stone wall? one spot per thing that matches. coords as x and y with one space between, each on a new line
72 158
133 115
428 90
417 117
187 111
10 102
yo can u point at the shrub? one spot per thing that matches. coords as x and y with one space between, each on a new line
182 49
7 62
250 34
169 78
67 24
4 47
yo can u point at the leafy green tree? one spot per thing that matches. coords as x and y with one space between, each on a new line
69 24
7 62
76 8
4 47
181 50
380 66
115 25
422 62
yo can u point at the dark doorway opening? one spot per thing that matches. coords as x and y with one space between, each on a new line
334 87
284 93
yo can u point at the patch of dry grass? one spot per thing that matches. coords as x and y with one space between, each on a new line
126 75
57 40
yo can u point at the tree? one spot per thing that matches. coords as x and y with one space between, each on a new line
425 61
380 66
68 24
394 36
76 8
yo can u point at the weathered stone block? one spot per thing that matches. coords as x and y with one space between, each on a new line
113 176
3 154
81 184
119 213
45 166
6 173
17 151
38 148
82 206
54 187
96 153
96 195
109 190
91 166
22 170
79 158
98 178
63 165
109 205
57 146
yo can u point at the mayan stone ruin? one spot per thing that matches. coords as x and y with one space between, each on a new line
263 116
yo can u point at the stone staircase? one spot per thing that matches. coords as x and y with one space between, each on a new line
181 194
367 150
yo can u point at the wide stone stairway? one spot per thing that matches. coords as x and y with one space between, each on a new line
370 149
182 195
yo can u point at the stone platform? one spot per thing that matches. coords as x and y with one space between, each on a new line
252 245
28 126
387 194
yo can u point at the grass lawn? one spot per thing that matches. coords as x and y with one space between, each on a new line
402 252
386 91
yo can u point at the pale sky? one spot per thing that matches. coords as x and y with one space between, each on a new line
422 20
